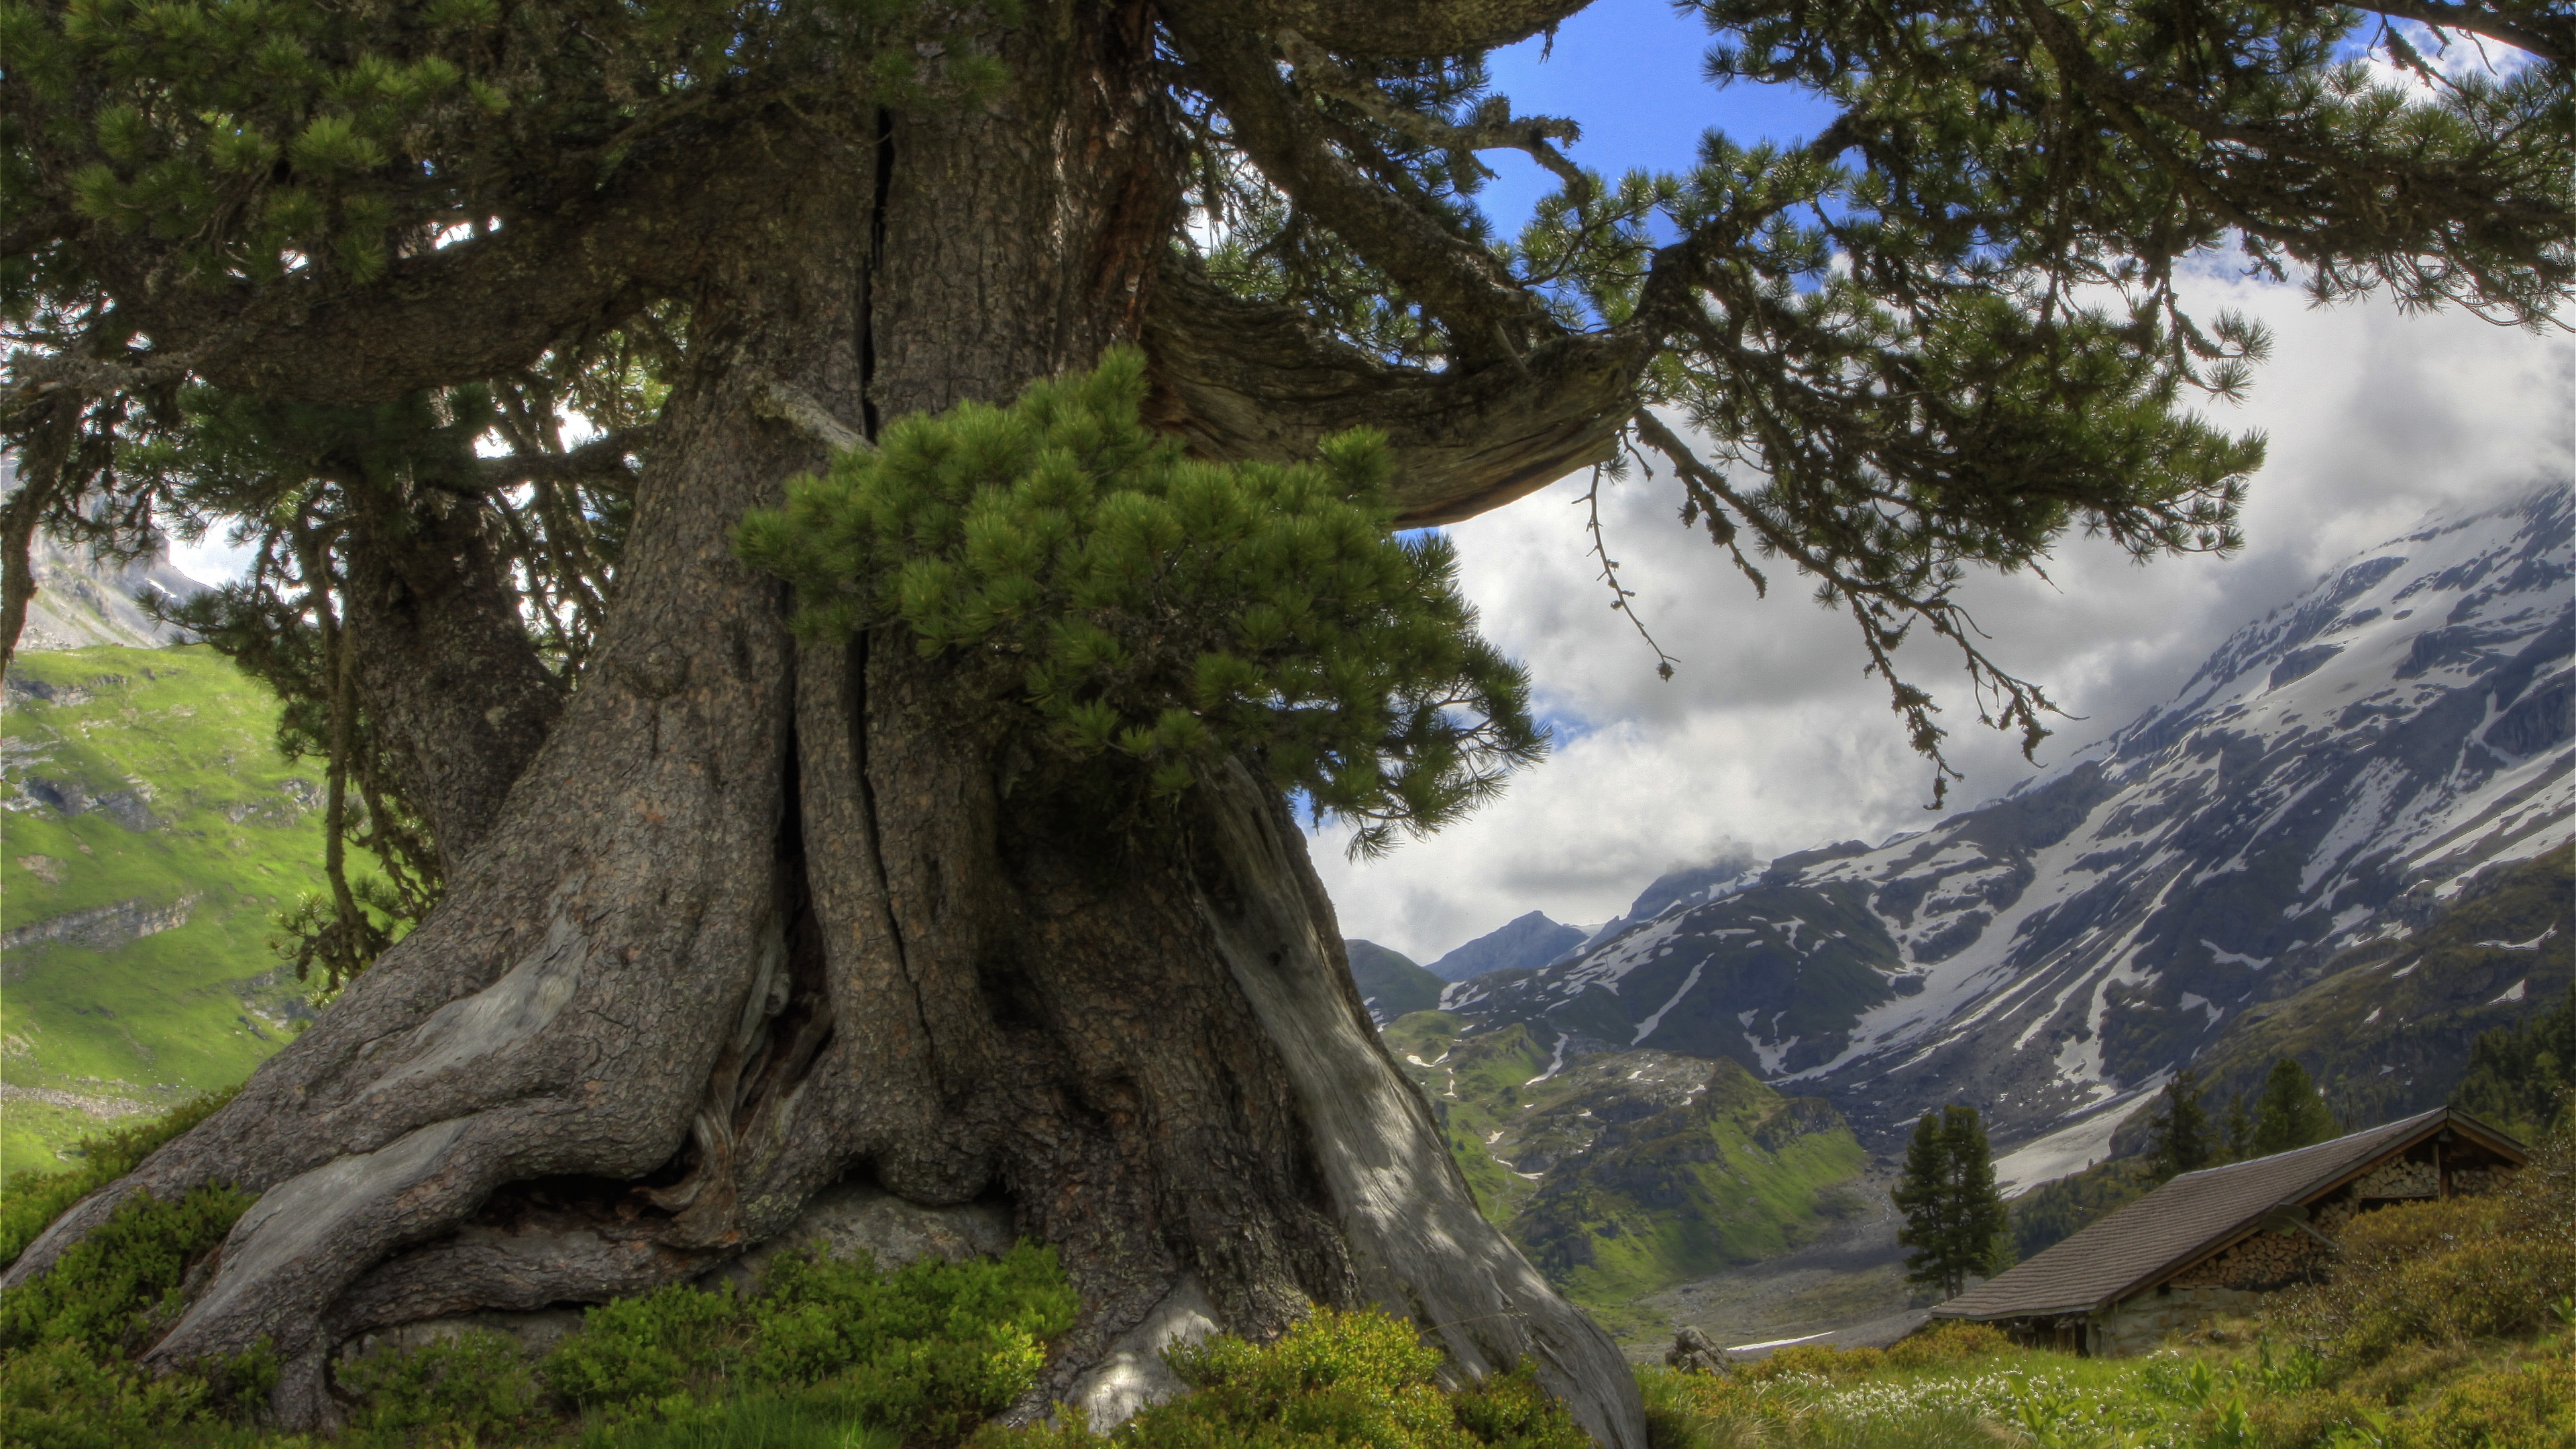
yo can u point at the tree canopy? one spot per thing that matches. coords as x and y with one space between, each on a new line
349 280
2290 1113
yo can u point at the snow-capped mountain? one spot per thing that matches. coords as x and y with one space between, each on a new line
2332 775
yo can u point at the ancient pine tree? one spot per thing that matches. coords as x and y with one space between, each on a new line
977 883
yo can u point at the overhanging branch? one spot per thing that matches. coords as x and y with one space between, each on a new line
1245 380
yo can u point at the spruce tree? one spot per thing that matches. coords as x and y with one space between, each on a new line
2290 1113
2179 1139
2240 1129
1955 1220
489 326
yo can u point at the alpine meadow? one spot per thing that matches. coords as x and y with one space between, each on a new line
829 549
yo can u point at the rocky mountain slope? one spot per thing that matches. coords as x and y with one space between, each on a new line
81 601
2335 777
151 831
1390 982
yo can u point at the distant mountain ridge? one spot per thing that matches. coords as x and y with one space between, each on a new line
2337 774
1526 941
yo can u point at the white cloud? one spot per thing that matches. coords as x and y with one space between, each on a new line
1769 737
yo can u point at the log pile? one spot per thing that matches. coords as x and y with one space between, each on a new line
2401 1179
2265 1260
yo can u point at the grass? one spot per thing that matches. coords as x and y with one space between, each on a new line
201 814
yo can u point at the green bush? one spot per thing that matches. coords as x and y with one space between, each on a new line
640 1349
66 1339
112 1286
1949 1341
2531 1405
30 1201
62 1395
926 1353
468 1387
1136 605
1337 1379
2454 1271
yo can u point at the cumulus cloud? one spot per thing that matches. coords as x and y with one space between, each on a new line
1770 739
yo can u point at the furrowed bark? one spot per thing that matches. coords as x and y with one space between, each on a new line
1251 380
449 674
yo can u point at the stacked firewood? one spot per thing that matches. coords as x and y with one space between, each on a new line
2261 1261
2401 1179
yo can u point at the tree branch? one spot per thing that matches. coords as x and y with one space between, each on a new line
1447 273
1251 380
557 268
2554 39
1535 136
1398 29
603 457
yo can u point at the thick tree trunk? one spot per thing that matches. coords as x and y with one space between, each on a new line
758 917
445 666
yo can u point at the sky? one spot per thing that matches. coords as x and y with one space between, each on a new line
1768 739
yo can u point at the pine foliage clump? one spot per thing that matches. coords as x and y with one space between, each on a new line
1138 605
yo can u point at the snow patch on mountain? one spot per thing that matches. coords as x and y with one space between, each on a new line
2330 772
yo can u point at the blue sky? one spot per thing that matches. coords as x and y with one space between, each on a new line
1629 71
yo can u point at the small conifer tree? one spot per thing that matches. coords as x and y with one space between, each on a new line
2240 1129
2181 1141
2290 1114
1955 1220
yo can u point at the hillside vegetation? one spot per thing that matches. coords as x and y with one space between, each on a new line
151 832
1626 1172
2444 1325
2385 1028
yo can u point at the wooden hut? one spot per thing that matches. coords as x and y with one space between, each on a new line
2216 1241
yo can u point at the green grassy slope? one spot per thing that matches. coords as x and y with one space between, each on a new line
148 826
1627 1172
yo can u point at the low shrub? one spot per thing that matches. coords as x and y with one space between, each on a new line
2531 1404
475 1386
63 1395
110 1288
1360 1378
636 1350
30 1201
1950 1341
827 1348
2455 1271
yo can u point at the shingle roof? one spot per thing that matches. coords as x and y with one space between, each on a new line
2175 1225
